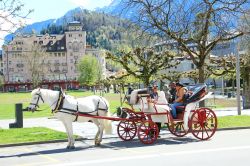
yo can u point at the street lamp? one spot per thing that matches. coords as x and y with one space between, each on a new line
238 77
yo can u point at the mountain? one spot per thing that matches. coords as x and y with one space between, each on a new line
103 30
118 8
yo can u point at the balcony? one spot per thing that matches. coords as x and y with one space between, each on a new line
19 65
57 64
64 70
64 64
57 71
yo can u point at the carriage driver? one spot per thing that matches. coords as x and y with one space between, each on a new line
179 101
153 99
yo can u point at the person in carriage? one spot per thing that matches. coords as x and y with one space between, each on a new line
153 98
172 92
181 90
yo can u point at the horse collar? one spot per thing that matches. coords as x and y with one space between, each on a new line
59 102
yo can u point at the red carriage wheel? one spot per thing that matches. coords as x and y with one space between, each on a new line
148 132
203 123
126 130
177 129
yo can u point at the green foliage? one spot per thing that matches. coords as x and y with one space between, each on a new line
103 31
90 70
1 80
143 63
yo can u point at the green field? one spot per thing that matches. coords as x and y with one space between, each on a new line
8 101
36 134
234 121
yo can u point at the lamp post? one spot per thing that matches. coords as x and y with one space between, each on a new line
238 77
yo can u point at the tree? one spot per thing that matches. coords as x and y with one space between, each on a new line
36 58
90 71
12 16
203 23
143 63
245 60
1 80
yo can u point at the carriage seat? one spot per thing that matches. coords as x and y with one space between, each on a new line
135 95
180 108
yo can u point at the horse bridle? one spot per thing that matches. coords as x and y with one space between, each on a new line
39 96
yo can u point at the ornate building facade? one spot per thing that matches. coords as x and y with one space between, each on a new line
59 56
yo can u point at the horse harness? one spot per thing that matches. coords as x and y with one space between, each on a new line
39 97
59 107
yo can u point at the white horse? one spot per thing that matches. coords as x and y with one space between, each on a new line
66 108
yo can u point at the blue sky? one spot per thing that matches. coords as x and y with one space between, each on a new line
52 9
47 9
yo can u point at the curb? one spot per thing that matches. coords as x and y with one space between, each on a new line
233 128
82 139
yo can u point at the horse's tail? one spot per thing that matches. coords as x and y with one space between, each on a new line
107 124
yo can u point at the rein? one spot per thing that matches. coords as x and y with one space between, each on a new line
39 96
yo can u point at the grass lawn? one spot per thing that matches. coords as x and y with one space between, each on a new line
234 121
36 134
8 101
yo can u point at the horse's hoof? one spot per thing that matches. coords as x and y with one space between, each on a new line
70 147
97 144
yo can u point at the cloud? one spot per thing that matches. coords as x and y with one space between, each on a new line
91 4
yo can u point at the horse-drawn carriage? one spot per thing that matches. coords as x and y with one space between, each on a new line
138 120
201 122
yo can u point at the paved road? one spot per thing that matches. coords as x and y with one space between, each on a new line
227 148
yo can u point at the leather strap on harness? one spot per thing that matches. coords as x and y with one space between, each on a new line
77 112
59 102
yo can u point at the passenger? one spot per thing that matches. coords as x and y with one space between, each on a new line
179 101
172 92
154 98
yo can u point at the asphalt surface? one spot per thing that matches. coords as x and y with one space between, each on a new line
227 148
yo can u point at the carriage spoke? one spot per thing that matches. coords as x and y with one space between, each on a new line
206 132
198 131
202 132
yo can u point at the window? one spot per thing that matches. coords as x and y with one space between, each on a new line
80 35
70 35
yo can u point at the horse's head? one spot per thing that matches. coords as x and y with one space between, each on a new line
36 100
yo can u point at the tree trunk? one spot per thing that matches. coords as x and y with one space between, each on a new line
115 89
246 93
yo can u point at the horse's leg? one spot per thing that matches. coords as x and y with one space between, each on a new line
67 131
96 122
70 134
101 130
